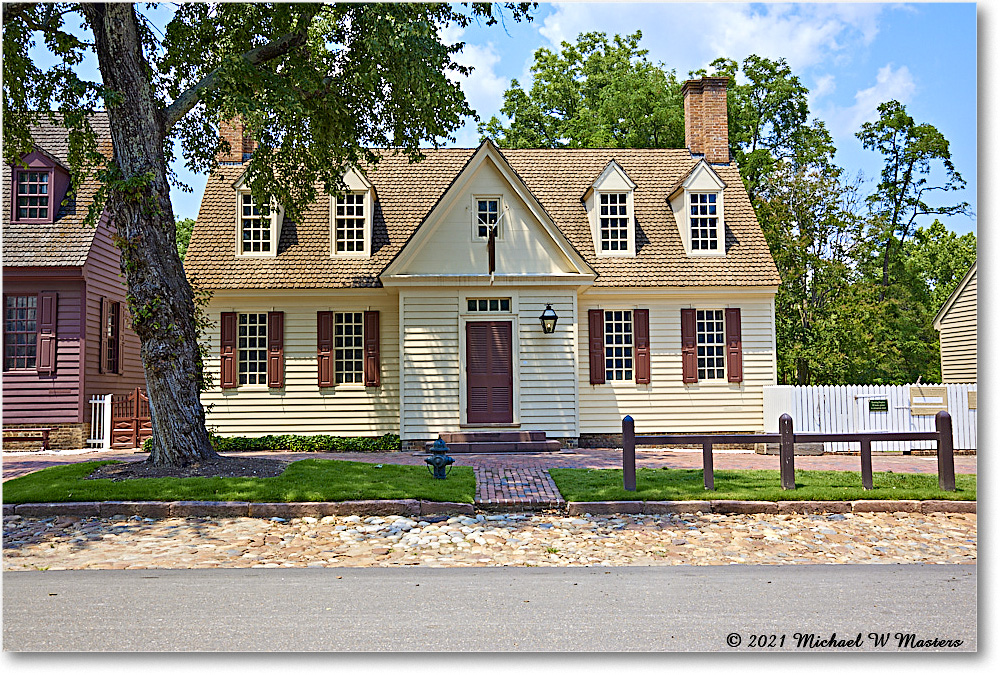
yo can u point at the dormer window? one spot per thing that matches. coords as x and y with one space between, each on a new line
615 219
697 203
487 215
34 195
351 213
610 209
704 221
350 224
258 231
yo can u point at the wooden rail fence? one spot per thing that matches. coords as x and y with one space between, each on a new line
786 438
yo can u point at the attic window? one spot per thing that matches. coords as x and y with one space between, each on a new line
704 221
487 215
351 220
33 196
614 221
258 232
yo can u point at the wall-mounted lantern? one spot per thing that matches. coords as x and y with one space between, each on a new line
548 319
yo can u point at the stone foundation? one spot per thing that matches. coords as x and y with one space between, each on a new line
61 437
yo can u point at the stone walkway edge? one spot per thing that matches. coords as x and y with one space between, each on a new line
414 507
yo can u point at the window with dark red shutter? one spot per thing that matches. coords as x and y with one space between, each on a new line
689 346
324 348
275 350
640 318
596 320
47 332
372 359
227 350
734 345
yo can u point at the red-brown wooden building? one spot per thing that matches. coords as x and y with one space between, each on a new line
67 334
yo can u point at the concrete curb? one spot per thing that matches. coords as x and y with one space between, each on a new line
413 507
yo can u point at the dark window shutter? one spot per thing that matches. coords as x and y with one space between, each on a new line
46 363
102 336
640 319
324 348
275 350
372 358
119 356
734 345
596 318
227 350
689 346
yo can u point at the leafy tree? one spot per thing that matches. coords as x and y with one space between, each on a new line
910 153
184 229
315 84
769 119
597 93
937 259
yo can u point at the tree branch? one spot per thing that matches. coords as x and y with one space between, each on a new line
272 50
14 10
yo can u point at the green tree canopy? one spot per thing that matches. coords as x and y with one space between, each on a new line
597 93
315 84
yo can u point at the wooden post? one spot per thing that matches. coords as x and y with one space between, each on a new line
945 452
628 452
866 464
706 464
787 451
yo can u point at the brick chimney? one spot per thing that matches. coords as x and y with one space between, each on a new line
240 142
706 120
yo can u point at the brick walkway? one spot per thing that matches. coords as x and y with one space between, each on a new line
523 479
516 486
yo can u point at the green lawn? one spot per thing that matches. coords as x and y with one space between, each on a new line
308 480
596 485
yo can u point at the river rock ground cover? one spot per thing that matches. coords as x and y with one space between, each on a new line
518 539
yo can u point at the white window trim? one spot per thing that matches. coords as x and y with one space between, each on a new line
276 217
369 209
630 223
710 381
501 213
630 382
259 386
349 386
720 226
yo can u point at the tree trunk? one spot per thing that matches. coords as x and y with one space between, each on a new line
160 299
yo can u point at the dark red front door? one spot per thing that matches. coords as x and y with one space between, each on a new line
489 372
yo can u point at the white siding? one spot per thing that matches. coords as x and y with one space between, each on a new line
430 362
667 404
301 407
958 337
548 364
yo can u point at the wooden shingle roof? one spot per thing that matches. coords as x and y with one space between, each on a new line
407 193
66 242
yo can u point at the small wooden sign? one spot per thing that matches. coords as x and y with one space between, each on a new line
928 399
972 400
878 405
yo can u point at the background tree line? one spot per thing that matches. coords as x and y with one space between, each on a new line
861 278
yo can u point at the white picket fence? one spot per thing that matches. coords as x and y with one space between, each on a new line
100 422
846 409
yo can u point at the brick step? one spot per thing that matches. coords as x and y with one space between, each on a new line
499 447
493 437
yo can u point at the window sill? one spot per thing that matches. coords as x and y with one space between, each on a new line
491 425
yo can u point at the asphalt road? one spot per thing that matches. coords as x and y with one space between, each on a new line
676 608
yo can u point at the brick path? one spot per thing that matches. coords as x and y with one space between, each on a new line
515 486
523 480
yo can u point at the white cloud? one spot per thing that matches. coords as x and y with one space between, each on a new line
483 87
805 35
890 84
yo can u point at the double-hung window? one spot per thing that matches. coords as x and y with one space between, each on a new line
704 221
258 227
711 344
349 347
20 332
252 348
618 345
112 337
614 221
33 195
350 224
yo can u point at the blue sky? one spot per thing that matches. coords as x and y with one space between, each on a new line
850 56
